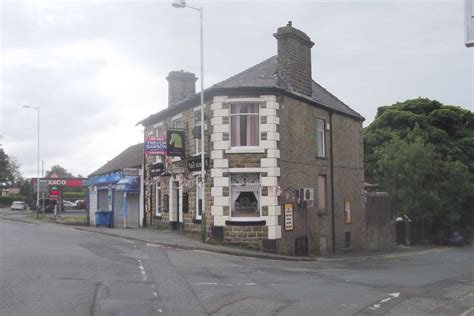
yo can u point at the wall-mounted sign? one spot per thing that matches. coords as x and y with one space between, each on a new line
347 212
156 169
288 216
155 145
110 199
114 177
130 172
194 164
175 142
78 182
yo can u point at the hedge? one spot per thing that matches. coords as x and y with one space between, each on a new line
74 196
8 200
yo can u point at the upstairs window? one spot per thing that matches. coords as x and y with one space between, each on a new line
320 138
244 124
197 120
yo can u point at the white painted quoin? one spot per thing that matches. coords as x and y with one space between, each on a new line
268 165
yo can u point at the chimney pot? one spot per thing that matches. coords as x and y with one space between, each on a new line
181 85
294 58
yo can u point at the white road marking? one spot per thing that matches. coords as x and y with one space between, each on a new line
154 293
385 300
224 284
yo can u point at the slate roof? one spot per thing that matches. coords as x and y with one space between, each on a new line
130 157
261 76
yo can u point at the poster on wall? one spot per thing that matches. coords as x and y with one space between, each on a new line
155 145
288 216
175 142
347 212
110 199
92 200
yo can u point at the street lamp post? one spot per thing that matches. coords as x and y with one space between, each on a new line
38 156
182 4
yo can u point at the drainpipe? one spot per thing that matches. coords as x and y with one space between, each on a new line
333 218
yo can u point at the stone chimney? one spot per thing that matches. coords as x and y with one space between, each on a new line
181 84
294 58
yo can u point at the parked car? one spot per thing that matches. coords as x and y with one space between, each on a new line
68 205
18 205
80 204
455 239
48 205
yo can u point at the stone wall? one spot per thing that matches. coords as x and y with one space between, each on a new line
180 173
381 233
246 236
300 168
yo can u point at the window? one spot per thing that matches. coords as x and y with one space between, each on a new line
322 193
197 115
320 138
198 200
244 123
245 194
158 200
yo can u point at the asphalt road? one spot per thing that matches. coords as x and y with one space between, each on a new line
50 269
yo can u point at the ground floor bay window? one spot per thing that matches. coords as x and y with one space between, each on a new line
245 194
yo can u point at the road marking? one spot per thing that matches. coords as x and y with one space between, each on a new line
155 294
385 300
224 284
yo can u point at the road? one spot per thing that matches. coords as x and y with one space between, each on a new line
50 269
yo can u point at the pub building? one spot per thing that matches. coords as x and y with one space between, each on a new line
284 160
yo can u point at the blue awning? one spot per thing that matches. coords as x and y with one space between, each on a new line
128 184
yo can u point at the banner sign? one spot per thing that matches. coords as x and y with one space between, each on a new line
155 145
288 216
194 164
175 142
157 169
78 182
347 212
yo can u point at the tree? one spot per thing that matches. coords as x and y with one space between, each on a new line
60 171
422 153
9 169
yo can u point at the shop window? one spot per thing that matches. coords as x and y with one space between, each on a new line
158 200
245 194
244 124
320 138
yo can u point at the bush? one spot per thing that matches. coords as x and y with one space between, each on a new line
8 200
74 196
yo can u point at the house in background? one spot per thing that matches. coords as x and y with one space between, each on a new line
285 158
116 187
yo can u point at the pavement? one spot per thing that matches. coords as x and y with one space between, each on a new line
184 241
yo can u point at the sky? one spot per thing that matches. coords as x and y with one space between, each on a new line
96 68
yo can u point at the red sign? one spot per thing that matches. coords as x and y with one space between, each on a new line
75 182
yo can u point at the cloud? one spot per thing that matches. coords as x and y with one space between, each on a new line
97 67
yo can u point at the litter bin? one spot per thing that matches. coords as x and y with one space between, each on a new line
103 218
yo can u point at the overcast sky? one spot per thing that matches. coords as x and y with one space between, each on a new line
98 67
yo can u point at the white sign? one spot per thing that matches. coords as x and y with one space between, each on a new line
92 203
288 216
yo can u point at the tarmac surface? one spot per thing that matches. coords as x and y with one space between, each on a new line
51 269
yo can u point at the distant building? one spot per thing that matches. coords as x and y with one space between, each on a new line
285 169
116 187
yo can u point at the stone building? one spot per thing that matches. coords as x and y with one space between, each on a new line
285 171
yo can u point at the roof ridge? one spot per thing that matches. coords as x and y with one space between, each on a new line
342 102
244 71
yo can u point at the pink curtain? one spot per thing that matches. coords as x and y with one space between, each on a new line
244 126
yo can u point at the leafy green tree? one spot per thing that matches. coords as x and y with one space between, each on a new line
9 169
422 153
60 171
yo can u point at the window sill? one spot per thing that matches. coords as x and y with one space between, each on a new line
197 221
321 157
245 222
245 150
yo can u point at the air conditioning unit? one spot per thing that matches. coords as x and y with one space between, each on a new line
307 194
